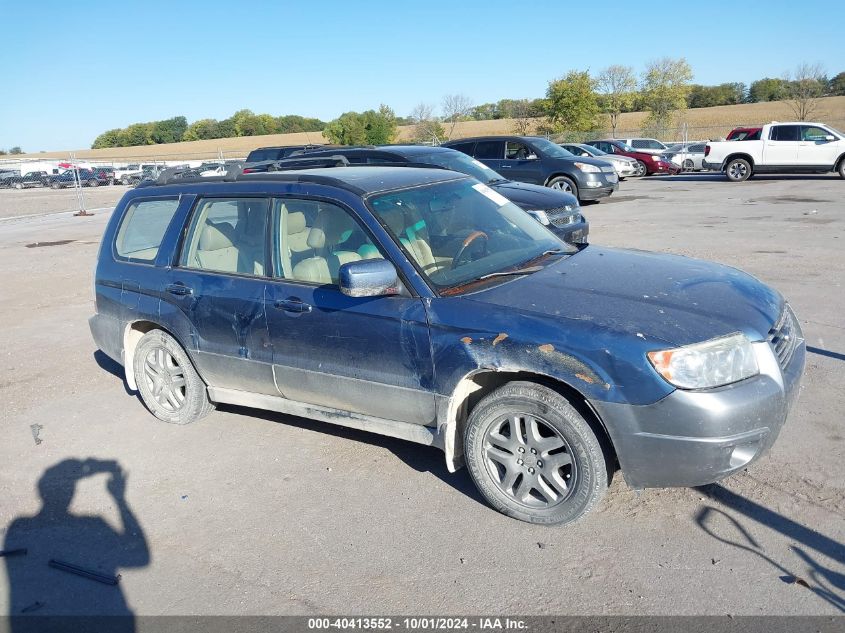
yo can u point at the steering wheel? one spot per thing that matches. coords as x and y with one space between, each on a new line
469 240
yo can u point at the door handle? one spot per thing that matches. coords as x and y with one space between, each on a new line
179 289
503 166
292 305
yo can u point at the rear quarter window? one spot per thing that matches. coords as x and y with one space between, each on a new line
142 228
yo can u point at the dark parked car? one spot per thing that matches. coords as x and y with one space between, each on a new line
8 177
412 303
263 154
31 179
536 160
85 177
650 164
556 209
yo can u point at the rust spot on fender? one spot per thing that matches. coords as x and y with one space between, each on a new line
585 378
499 339
548 348
466 340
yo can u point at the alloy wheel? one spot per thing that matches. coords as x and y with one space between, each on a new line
737 170
530 461
562 185
165 379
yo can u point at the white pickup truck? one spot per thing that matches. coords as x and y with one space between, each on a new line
783 148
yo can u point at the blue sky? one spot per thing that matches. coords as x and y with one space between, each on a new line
72 70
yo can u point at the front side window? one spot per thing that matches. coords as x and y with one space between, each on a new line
814 134
518 151
466 148
227 235
459 231
142 229
312 239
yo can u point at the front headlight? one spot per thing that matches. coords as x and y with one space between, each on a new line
588 169
656 158
713 363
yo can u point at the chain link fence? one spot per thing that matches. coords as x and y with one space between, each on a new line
79 175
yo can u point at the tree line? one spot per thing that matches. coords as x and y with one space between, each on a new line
577 102
242 123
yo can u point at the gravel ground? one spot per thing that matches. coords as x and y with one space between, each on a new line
258 513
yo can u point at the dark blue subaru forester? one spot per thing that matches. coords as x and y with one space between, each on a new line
421 304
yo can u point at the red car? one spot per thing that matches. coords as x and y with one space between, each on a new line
744 134
649 164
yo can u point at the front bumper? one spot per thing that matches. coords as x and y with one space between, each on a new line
692 438
575 233
661 167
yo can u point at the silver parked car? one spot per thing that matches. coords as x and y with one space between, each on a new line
623 165
687 156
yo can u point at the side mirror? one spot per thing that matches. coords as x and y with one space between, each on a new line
531 157
368 278
830 137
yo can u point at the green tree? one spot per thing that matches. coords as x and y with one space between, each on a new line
617 85
347 129
767 89
571 103
665 86
15 150
836 86
380 125
136 134
109 138
168 130
201 130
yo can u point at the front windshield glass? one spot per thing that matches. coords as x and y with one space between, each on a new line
458 161
552 150
592 151
459 231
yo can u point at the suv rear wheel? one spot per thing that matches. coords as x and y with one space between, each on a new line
738 169
563 183
169 385
533 456
842 167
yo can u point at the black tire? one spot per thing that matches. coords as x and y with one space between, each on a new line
689 165
643 168
93 183
18 185
841 169
513 486
563 183
169 385
55 185
738 170
124 181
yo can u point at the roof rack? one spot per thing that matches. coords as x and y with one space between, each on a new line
236 170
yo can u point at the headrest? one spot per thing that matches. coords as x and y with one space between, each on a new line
213 238
316 238
296 222
331 225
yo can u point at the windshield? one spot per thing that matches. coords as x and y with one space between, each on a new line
459 231
458 161
552 150
592 151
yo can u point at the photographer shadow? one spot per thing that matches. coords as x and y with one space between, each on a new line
89 542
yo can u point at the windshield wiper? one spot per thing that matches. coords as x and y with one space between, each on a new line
505 273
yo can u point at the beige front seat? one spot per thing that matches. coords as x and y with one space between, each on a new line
294 239
412 240
216 250
324 236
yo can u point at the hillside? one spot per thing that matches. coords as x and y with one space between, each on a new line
703 123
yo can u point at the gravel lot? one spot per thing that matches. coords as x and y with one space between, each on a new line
257 513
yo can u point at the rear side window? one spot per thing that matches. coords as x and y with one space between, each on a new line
490 149
228 235
784 133
258 155
466 148
142 229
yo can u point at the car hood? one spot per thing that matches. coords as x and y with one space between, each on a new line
667 298
534 196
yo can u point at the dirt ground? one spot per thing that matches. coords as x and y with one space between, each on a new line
258 513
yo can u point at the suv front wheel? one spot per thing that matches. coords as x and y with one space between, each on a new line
562 183
533 456
169 385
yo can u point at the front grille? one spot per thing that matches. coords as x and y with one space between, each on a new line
784 336
562 216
